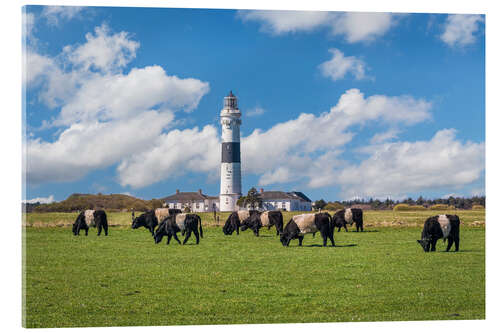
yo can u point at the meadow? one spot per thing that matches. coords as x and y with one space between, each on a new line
127 280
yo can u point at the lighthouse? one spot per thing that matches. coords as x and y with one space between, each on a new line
230 169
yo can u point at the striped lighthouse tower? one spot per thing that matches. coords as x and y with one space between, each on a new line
230 170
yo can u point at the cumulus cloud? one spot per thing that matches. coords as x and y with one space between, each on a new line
56 14
106 115
299 140
42 200
363 27
339 65
354 27
103 50
279 22
174 154
84 147
395 169
461 30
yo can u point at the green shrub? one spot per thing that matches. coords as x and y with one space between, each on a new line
406 207
441 207
333 206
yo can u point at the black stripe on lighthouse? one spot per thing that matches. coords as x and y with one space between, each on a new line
231 152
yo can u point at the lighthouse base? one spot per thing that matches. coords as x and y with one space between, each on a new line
228 202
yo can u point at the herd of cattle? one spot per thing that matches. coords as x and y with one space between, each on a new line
168 222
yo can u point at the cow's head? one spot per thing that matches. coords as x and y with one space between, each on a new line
228 227
426 243
137 221
159 233
284 239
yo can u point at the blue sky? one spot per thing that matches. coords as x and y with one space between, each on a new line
336 105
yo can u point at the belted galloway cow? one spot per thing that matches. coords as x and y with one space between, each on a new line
151 218
349 216
185 223
263 219
91 218
440 226
299 225
234 220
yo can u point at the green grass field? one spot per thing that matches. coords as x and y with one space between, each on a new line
125 279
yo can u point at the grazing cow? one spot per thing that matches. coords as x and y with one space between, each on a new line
234 220
440 226
264 219
303 224
91 218
348 216
186 223
151 218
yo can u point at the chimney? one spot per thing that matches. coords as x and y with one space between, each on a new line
177 191
199 191
261 190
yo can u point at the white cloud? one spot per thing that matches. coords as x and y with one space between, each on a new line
84 147
339 65
123 95
298 141
42 200
354 27
103 51
394 169
385 136
55 14
279 22
256 111
460 29
173 155
363 27
106 116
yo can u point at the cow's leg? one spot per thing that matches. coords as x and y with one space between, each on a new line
345 227
330 235
256 232
176 238
301 238
324 234
99 229
77 230
433 244
196 234
450 243
169 237
105 229
339 229
188 234
457 241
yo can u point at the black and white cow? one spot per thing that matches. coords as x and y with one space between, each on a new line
349 216
151 218
186 223
263 219
234 220
440 226
91 218
303 224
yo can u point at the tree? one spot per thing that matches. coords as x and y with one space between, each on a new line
319 204
253 198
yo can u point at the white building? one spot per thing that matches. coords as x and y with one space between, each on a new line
289 201
196 201
230 175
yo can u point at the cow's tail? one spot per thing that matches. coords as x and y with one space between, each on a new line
201 229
